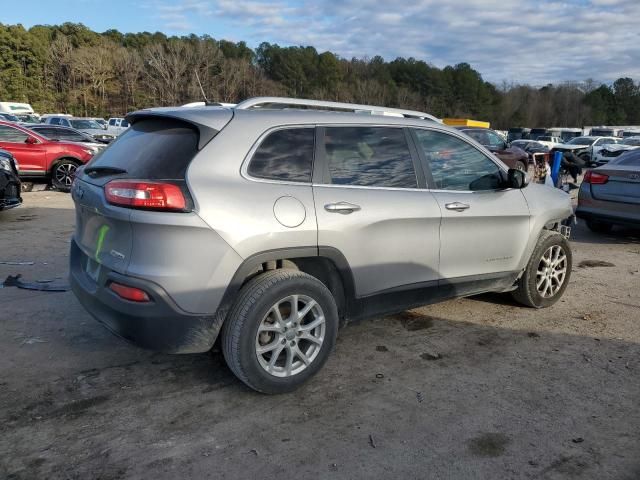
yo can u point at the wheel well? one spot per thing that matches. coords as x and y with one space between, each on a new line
322 268
57 161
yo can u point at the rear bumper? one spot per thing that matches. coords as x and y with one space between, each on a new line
594 215
156 325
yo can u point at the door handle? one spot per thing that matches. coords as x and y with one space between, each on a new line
341 207
457 206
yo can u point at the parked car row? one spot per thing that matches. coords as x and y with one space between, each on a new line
46 154
86 125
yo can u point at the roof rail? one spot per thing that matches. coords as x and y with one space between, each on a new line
283 102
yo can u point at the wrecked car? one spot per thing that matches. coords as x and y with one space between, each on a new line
10 186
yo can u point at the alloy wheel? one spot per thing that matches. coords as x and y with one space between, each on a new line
64 173
290 336
552 271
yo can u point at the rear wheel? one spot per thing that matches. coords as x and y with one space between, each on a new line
547 274
521 166
599 227
63 173
281 330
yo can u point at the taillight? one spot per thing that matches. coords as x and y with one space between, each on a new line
141 194
129 293
595 178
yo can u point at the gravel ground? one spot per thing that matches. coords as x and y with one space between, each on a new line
475 388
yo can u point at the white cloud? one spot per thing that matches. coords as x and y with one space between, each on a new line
537 41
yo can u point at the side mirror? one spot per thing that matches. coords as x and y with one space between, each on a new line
517 178
30 141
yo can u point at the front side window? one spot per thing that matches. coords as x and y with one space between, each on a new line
285 155
12 135
456 165
112 122
369 156
55 121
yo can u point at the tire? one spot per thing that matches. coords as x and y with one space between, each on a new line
586 158
521 166
528 292
599 227
62 174
253 323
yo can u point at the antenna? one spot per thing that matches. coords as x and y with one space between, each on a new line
206 101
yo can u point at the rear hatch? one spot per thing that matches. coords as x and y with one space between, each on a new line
622 186
157 149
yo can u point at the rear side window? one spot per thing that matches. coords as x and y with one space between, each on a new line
55 121
369 156
152 149
285 155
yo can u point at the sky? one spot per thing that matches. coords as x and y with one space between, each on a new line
522 41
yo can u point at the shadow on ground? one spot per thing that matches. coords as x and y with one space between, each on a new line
401 395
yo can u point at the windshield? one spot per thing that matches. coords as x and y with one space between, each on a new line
11 118
581 141
85 124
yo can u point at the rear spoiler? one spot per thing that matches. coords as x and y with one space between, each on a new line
209 121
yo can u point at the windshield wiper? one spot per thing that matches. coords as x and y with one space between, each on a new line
99 171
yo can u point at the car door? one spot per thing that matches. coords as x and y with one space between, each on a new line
371 208
30 156
485 227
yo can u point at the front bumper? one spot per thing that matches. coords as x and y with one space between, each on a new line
9 190
156 325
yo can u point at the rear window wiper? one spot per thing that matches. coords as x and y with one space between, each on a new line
99 171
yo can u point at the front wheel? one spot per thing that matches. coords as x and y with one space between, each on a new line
62 175
521 166
547 274
280 331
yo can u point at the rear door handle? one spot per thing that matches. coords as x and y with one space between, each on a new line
341 207
457 206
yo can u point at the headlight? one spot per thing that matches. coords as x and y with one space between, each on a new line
5 164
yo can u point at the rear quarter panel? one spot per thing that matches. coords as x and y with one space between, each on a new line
239 209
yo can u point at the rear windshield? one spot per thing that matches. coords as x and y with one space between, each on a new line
152 149
629 158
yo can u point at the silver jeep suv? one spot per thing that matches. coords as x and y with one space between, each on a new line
272 223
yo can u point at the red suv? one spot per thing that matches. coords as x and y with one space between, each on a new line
38 156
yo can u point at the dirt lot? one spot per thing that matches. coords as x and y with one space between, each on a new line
472 388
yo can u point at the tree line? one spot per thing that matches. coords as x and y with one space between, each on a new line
72 69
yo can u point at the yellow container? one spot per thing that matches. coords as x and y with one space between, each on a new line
465 122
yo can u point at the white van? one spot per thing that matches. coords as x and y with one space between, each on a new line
16 108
